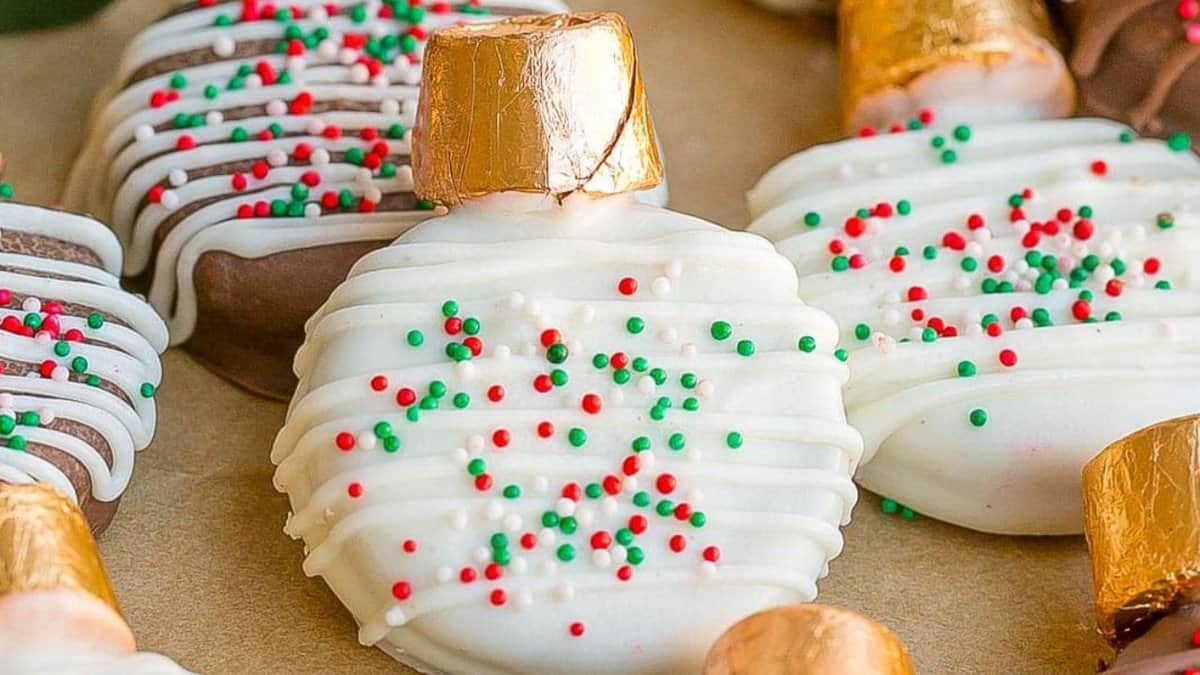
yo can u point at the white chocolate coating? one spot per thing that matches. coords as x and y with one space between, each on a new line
141 663
521 265
1075 386
122 352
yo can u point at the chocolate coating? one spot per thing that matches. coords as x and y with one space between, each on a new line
1134 63
1166 649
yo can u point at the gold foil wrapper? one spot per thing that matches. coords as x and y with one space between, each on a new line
887 44
45 544
808 639
1141 500
543 104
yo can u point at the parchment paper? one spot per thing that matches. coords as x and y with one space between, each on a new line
197 554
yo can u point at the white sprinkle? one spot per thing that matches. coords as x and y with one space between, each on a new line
277 158
668 335
458 520
884 343
564 592
541 484
466 370
315 126
320 157
390 107
295 65
493 510
619 554
601 558
224 46
144 133
502 352
891 317
674 269
695 496
254 81
276 107
973 249
459 456
629 484
843 171
177 177
395 617
564 507
708 570
688 350
312 211
961 282
31 305
359 74
586 516
47 416
609 506
524 598
587 313
444 574
891 298
1023 323
616 396
648 458
169 200
327 50
660 286
705 389
646 385
695 454
547 537
513 522
482 555
6 400
347 56
475 444
518 565
548 568
367 440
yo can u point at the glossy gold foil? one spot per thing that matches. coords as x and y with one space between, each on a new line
544 104
45 544
1142 520
886 44
808 639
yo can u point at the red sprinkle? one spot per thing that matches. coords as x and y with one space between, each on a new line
355 490
402 590
627 286
345 441
1008 358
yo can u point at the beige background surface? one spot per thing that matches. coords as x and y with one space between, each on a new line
197 553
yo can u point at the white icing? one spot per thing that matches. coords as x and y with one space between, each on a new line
124 157
1075 387
124 356
773 506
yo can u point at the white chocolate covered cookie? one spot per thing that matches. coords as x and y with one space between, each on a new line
533 438
1014 297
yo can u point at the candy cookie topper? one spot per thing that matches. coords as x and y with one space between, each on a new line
477 136
900 56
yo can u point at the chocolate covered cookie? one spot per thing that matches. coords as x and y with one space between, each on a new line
79 362
248 153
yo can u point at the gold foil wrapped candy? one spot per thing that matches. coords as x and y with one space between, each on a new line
53 585
888 47
1142 519
544 104
808 640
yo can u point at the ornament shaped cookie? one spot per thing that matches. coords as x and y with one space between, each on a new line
978 61
1136 60
249 152
1014 297
556 430
79 359
58 613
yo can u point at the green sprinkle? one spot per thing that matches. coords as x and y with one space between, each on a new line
862 331
635 556
969 264
962 132
79 364
461 400
676 441
1126 136
391 443
16 443
640 364
549 519
689 380
745 347
449 308
949 156
95 320
734 440
416 338
807 344
556 353
1179 141
383 430
979 417
476 466
889 506
437 388
641 499
559 377
812 219
622 376
840 263
664 507
641 444
698 519
966 369
568 525
7 424
600 361
566 553
841 355
512 492
577 437
593 490
1165 221
721 330
635 325
904 207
